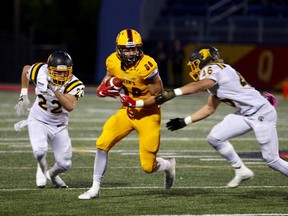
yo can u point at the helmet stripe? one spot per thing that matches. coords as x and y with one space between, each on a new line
129 35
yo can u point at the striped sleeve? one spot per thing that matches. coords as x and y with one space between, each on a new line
72 85
34 72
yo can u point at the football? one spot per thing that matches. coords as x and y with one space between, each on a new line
115 82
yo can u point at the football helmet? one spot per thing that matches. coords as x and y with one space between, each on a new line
200 57
129 46
60 67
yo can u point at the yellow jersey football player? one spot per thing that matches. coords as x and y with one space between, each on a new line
140 80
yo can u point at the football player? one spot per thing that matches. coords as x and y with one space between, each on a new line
254 112
140 79
57 91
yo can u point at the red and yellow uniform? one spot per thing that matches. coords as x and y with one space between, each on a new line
146 121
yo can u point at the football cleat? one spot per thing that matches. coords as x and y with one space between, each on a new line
241 175
170 175
90 194
41 179
57 181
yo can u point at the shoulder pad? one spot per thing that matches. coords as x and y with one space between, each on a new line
34 71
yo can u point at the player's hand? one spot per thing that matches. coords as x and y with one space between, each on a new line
164 96
127 101
106 91
271 98
175 124
53 87
22 105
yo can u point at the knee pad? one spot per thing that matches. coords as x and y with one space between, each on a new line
215 143
38 155
148 168
65 165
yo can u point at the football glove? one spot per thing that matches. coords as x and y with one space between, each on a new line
22 105
53 87
271 98
175 124
164 96
104 91
127 101
20 125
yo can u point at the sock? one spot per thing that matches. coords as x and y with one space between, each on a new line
162 164
100 165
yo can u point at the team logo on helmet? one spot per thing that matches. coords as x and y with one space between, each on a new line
205 53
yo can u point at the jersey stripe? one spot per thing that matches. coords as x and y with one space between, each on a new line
221 65
72 85
34 72
155 72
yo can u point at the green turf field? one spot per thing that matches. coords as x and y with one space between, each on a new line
127 190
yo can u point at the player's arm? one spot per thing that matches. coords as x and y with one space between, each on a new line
103 90
190 88
68 101
23 101
106 77
206 110
202 113
24 79
154 86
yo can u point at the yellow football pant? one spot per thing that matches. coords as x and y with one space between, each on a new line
147 123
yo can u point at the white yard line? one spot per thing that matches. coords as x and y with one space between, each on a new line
136 188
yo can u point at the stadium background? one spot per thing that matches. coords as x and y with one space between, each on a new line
252 35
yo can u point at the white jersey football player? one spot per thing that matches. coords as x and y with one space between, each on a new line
57 91
254 112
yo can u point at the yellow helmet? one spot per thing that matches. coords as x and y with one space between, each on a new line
129 39
200 57
60 67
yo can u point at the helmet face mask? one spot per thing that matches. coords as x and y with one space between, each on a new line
195 70
59 75
60 68
129 46
201 57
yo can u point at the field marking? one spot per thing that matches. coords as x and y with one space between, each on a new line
244 139
136 188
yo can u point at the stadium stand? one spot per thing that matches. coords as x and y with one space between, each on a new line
236 21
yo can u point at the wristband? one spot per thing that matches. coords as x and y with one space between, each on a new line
178 92
188 120
24 91
139 103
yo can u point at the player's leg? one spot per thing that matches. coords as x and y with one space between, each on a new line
100 166
149 142
62 148
231 126
113 132
267 137
38 138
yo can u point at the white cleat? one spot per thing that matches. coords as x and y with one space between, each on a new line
41 179
57 181
241 175
90 194
170 175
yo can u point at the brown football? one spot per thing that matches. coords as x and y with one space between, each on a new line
115 82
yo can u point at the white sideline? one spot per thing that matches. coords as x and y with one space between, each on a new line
135 188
